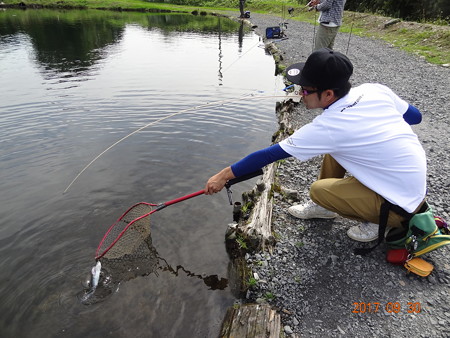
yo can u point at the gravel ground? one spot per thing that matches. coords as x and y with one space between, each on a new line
312 277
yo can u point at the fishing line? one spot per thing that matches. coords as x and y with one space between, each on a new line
240 57
218 103
247 96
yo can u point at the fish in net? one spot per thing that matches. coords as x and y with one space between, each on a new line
126 251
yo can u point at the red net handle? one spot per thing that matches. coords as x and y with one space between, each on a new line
180 199
201 192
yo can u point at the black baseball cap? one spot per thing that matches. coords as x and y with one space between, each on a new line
324 69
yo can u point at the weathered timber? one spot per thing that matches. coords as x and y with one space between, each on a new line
287 123
252 231
277 56
258 230
238 275
251 321
391 22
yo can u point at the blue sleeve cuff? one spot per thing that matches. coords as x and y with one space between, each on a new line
258 159
412 115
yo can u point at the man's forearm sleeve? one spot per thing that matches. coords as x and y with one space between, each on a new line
258 159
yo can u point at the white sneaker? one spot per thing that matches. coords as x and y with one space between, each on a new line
364 232
310 210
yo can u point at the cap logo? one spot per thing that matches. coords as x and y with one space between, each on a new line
293 72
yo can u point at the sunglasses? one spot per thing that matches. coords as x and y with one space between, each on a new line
306 92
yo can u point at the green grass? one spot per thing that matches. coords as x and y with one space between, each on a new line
423 39
269 296
252 282
241 242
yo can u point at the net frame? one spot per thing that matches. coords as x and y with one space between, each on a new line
138 224
121 226
142 222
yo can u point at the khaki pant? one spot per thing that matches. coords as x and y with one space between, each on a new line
347 196
325 37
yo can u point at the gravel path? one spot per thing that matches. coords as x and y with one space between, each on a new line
312 277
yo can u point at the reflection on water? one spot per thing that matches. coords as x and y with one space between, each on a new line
74 41
64 43
140 260
73 83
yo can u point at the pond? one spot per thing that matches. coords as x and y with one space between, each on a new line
73 84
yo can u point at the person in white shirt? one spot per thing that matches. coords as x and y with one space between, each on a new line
371 154
330 19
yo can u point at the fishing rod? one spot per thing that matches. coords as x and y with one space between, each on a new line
214 103
314 31
248 96
351 30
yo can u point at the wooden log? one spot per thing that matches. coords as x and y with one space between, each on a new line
258 230
251 321
254 233
272 49
238 275
391 22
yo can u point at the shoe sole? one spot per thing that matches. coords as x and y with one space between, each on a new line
362 240
325 217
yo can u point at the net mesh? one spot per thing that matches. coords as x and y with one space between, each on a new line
127 242
141 262
126 252
123 264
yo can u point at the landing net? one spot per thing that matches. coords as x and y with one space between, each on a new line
128 233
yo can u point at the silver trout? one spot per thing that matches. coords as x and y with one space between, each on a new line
95 277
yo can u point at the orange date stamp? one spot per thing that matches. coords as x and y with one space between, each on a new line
389 307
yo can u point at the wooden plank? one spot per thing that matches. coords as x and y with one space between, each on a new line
251 321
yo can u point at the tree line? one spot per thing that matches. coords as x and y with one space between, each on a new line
412 10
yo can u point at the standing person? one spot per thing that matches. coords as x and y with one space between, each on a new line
371 154
330 20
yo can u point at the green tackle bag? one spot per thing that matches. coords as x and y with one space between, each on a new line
421 234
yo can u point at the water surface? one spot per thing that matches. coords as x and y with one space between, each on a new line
75 82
